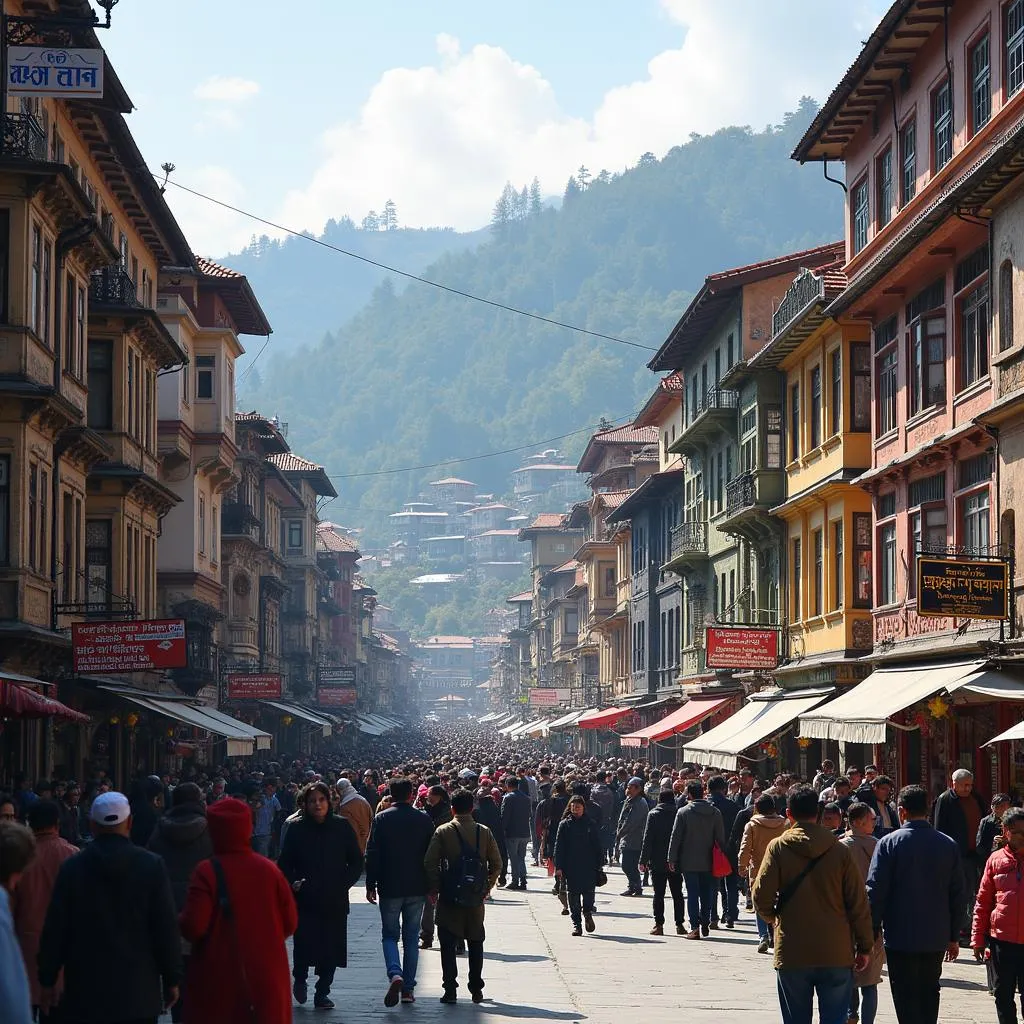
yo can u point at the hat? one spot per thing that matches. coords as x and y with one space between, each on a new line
636 781
110 808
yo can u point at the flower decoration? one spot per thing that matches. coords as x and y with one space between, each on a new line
132 720
923 722
769 750
287 720
114 720
803 742
938 707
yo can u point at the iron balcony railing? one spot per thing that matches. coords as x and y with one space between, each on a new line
690 539
740 493
111 286
716 398
24 139
805 289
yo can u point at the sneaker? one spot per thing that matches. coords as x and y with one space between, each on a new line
394 992
588 921
762 946
448 998
750 906
300 992
408 997
478 996
426 943
323 1003
577 930
657 930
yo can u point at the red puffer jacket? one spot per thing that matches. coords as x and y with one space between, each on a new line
999 910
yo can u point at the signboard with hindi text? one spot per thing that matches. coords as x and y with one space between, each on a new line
128 646
52 71
967 588
741 647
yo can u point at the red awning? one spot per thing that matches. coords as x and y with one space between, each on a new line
692 712
18 702
602 719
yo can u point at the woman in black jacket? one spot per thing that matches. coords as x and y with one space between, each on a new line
579 854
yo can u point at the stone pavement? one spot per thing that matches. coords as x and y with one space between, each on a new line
534 970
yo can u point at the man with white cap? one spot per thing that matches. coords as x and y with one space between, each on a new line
112 906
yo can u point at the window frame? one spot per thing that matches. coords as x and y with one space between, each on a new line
921 394
796 564
860 214
794 421
888 589
818 550
974 301
835 358
838 565
294 527
884 187
814 406
863 560
1005 305
908 160
206 373
1011 43
941 121
979 84
886 369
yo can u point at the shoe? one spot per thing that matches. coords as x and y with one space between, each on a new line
323 1003
522 887
565 911
730 924
508 885
426 943
394 992
680 929
762 946
554 891
577 930
657 930
448 998
628 892
750 906
478 996
300 992
713 925
695 934
705 930
723 919
408 997
588 921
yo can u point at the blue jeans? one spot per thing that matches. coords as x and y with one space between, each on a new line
261 844
699 886
401 915
764 929
517 859
631 869
864 1003
798 987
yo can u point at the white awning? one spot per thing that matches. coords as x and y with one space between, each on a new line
297 711
721 747
261 738
369 728
538 730
860 715
506 730
569 719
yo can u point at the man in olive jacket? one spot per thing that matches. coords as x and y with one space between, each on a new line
823 929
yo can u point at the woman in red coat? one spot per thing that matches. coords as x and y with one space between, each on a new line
242 963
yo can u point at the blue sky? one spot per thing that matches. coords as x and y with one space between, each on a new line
435 103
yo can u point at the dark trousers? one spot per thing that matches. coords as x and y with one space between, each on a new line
427 923
581 901
324 976
674 882
450 965
608 837
631 869
1008 970
177 1010
729 889
699 885
914 981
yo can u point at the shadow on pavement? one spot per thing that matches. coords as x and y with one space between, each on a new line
516 958
619 913
529 1012
968 986
631 939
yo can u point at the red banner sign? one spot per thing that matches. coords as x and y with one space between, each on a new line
254 687
336 696
129 646
740 647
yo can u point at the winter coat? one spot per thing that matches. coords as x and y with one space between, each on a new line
916 888
445 848
579 852
32 896
827 918
729 810
868 797
326 854
999 910
517 813
657 833
394 855
861 849
735 838
357 811
555 812
486 813
759 832
111 904
14 990
70 824
632 822
988 831
603 795
698 826
144 819
949 818
264 915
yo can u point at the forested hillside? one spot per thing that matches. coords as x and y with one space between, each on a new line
420 375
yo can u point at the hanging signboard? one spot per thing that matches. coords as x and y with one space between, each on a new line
335 675
966 588
741 647
49 71
128 646
547 698
336 696
257 686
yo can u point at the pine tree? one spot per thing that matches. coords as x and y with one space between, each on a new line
583 177
371 222
535 202
389 221
603 178
647 159
502 212
572 190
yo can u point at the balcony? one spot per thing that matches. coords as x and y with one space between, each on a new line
748 497
714 414
24 139
243 635
239 520
689 546
805 290
112 287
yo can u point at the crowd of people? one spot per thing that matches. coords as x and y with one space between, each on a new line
842 875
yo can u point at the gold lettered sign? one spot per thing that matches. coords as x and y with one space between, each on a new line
965 588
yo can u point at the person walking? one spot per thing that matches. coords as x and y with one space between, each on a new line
958 813
877 795
604 796
998 922
729 887
438 807
265 811
237 971
579 855
111 904
458 849
17 848
861 842
918 898
70 828
30 901
516 818
990 831
764 825
486 812
397 877
654 857
698 827
629 834
356 810
147 805
321 860
809 889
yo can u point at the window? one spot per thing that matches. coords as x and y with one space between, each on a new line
47 291
973 354
295 533
860 359
202 524
609 582
908 162
5 261
862 559
69 323
1013 33
772 437
572 621
122 246
860 209
974 523
976 470
205 368
815 407
836 411
98 562
794 422
68 559
927 533
887 564
730 359
819 572
5 509
186 395
838 568
927 489
79 360
942 126
980 63
1005 305
883 179
886 358
42 559
33 514
927 362
35 279
797 570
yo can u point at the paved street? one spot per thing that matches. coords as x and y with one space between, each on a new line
536 971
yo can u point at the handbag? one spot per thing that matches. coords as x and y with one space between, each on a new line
224 903
720 866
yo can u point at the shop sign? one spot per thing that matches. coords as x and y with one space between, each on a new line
128 646
966 588
336 696
335 675
546 698
740 647
52 71
257 686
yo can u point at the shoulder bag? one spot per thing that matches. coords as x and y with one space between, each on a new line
226 911
787 892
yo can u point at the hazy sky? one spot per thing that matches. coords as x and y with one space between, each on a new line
305 111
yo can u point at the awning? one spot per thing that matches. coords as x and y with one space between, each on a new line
369 728
506 729
489 717
569 719
297 711
692 712
503 719
18 702
262 739
861 714
538 729
721 747
602 719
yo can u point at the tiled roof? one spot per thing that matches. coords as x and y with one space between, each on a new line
211 269
547 521
249 417
289 462
673 382
387 641
649 453
612 499
237 295
328 539
447 641
569 566
526 597
499 533
628 435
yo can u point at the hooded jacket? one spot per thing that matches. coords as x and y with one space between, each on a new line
182 839
657 833
827 919
632 822
264 915
757 834
356 810
999 910
698 826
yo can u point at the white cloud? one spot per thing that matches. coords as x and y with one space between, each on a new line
226 89
211 230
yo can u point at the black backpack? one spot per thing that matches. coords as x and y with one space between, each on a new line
465 879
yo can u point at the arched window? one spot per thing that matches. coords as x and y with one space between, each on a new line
1005 305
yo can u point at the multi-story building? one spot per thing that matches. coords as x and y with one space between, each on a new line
451 493
545 479
337 556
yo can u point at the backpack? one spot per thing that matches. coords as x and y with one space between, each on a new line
464 883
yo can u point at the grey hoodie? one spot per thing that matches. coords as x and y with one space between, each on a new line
698 826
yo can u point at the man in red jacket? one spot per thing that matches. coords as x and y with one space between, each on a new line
999 916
